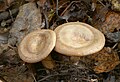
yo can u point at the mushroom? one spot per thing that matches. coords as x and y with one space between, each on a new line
78 39
36 46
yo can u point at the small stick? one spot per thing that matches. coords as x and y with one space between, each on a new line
5 15
46 77
114 45
11 15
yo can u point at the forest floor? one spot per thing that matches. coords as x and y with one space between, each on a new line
19 17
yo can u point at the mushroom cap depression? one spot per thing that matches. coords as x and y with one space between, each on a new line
37 45
78 39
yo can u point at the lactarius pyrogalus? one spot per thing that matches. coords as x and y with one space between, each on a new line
36 46
78 39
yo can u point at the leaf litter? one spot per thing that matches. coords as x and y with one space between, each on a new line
36 14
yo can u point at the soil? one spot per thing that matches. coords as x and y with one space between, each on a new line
20 17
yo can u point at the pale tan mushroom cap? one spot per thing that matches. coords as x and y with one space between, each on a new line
78 39
37 45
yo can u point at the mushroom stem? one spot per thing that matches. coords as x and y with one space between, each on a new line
75 59
48 62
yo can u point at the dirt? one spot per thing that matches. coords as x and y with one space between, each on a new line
20 17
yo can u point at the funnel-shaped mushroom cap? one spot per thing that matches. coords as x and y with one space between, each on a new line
78 39
37 45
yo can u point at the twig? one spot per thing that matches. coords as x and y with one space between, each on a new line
101 3
46 19
114 45
11 15
69 6
60 17
46 77
34 77
5 15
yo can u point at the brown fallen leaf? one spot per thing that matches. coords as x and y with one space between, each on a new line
9 2
107 21
3 5
102 61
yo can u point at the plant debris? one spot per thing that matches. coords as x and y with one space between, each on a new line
27 20
108 22
113 37
20 17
